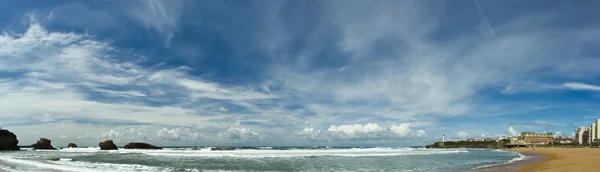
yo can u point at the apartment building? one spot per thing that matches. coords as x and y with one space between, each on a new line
582 135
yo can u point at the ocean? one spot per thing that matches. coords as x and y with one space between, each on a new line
192 159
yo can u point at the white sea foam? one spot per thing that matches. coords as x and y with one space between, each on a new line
6 168
66 164
105 166
520 158
40 165
296 153
89 149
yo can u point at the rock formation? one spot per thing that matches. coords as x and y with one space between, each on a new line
471 144
107 145
138 145
8 140
43 143
72 145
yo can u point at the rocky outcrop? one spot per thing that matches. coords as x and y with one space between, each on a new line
43 143
107 145
8 140
436 145
138 145
466 144
72 145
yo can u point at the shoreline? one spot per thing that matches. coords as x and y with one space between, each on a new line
512 165
560 159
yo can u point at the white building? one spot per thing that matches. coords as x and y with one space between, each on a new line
593 134
582 135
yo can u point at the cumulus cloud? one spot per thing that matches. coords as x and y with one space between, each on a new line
369 130
513 131
403 130
127 134
308 133
239 133
179 134
462 134
360 131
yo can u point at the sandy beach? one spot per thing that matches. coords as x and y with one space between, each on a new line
562 159
551 160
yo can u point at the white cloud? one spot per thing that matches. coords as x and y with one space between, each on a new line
63 71
462 134
160 16
385 70
513 131
366 131
308 133
369 130
179 134
238 132
403 130
128 93
64 137
581 86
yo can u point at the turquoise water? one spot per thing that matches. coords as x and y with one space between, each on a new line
254 159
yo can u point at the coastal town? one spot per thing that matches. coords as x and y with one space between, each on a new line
585 136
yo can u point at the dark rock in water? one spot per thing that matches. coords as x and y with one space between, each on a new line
223 148
8 140
138 145
72 145
43 143
107 145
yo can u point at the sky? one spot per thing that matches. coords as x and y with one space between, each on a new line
301 73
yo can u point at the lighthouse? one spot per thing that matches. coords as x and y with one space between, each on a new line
443 138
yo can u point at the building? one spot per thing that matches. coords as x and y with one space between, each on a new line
476 140
564 140
593 134
536 138
582 135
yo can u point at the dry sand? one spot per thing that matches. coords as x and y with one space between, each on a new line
563 159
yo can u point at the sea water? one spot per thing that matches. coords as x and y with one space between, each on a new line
254 159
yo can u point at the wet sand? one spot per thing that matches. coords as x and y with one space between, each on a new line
553 160
531 158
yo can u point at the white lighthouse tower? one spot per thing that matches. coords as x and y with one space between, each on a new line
443 138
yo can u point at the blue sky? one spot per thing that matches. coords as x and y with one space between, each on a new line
296 72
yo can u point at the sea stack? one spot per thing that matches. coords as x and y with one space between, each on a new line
8 140
43 143
72 145
138 145
107 145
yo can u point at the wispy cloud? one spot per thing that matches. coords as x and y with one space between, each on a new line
486 22
581 86
163 17
316 71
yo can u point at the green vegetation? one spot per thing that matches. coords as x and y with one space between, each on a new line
472 144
